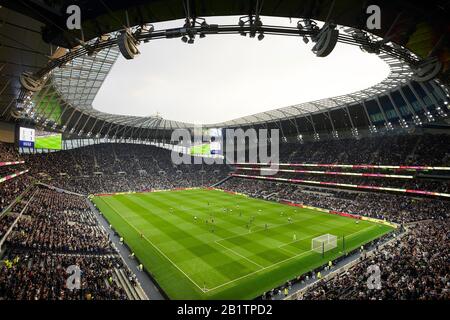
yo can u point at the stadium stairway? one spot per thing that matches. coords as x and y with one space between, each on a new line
137 289
220 182
133 292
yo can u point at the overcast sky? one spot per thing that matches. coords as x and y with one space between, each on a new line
224 77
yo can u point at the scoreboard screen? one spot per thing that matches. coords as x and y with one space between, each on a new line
27 137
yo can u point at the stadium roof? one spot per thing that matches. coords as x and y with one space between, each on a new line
421 29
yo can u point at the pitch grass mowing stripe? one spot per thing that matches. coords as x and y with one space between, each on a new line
151 243
184 254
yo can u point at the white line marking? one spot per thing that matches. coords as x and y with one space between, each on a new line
238 254
279 262
244 276
249 274
159 250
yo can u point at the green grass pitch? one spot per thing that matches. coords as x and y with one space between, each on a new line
233 257
49 142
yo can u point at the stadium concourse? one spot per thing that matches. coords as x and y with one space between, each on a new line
46 220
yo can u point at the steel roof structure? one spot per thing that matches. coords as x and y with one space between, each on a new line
73 75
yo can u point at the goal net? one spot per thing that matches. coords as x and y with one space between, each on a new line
324 243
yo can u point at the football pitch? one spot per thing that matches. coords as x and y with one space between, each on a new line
210 244
49 142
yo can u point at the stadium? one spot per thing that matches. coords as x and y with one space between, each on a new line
245 191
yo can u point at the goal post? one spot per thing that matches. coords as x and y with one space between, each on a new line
324 243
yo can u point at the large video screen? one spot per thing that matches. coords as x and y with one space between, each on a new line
26 137
216 141
202 149
214 147
48 140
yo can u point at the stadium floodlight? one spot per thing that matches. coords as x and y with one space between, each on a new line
388 126
429 116
325 40
323 243
427 69
29 82
373 129
335 134
316 136
417 120
127 44
403 123
441 112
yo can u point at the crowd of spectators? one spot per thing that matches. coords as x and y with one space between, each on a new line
412 267
120 168
60 223
57 229
37 275
54 230
392 207
8 152
436 185
12 188
410 149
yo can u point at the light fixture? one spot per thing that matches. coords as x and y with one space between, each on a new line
429 116
417 120
427 69
441 112
388 126
30 82
127 44
325 40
